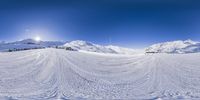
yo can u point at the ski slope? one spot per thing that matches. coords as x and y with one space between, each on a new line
59 74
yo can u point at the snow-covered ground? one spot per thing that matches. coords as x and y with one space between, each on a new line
59 74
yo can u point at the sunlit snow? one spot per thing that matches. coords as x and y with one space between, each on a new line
52 73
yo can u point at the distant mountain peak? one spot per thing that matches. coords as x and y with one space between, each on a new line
27 41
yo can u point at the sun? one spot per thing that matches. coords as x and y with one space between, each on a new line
37 38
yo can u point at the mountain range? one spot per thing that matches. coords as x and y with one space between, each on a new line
78 45
187 46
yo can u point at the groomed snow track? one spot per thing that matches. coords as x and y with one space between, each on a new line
59 74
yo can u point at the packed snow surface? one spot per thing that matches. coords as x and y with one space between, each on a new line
187 46
59 74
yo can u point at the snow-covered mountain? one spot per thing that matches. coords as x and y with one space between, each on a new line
42 43
26 41
122 50
76 45
28 44
88 46
2 42
187 46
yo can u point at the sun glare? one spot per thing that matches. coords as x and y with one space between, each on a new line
37 38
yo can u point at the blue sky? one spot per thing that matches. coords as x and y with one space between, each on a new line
129 23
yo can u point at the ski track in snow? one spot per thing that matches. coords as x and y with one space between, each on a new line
59 74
